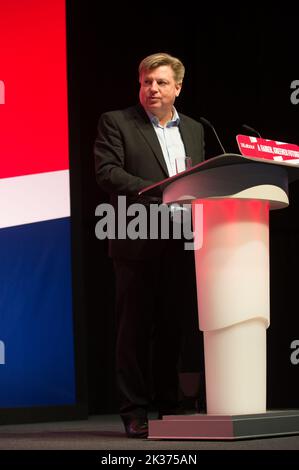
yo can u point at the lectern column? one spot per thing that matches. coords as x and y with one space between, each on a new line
232 275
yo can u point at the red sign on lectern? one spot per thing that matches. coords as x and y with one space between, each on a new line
268 149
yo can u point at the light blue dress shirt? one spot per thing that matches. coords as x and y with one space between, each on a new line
170 140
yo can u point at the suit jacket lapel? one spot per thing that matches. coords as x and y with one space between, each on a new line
146 128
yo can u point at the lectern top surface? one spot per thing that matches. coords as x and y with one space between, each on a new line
221 160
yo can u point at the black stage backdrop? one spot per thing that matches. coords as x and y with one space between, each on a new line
240 63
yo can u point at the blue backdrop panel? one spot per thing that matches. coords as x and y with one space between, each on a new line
36 324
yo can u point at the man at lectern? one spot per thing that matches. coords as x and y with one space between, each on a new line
155 278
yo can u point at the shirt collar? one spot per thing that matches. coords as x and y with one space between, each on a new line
175 120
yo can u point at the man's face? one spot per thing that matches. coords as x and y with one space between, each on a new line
158 90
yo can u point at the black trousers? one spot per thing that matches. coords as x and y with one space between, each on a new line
155 304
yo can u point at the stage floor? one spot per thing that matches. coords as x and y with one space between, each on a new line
105 432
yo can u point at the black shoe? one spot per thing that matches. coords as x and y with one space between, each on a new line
136 427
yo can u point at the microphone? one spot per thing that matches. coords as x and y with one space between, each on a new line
248 128
207 123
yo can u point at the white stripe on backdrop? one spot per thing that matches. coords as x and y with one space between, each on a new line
34 198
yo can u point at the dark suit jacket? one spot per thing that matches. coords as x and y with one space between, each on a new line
128 158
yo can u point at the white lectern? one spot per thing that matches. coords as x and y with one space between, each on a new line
232 274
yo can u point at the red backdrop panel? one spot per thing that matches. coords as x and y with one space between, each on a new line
33 120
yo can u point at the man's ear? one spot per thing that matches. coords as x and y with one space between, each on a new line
178 89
